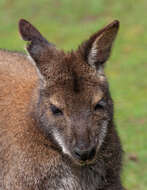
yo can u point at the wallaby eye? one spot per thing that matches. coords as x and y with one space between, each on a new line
100 105
55 110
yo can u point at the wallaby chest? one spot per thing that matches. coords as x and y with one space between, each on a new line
91 178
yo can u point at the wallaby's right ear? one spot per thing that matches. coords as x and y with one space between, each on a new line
37 45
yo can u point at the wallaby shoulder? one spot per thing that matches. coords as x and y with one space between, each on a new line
16 64
18 78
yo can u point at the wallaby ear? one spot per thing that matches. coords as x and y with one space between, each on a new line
37 43
97 49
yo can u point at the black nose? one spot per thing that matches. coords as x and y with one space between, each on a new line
85 154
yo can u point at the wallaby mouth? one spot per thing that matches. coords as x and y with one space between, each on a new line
84 156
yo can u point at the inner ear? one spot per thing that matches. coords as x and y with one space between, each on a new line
97 49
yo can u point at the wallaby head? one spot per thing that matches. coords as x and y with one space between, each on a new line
74 108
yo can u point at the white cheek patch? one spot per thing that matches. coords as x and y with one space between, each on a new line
59 139
103 133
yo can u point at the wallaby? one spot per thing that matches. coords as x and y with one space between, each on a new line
56 116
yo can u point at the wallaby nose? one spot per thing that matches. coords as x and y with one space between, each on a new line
85 154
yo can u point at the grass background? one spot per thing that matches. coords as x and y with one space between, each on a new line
67 23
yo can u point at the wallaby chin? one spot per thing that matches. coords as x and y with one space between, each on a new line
56 116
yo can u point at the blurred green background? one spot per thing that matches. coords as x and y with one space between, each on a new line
67 23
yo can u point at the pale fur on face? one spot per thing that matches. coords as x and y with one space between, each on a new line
59 139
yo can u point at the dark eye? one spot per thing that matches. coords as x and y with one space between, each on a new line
100 105
55 110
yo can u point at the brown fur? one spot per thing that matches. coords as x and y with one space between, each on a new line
31 158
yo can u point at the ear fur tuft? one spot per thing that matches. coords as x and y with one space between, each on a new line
97 49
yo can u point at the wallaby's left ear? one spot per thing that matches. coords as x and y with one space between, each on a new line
97 49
